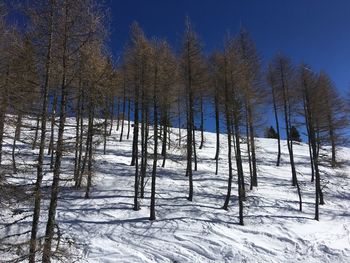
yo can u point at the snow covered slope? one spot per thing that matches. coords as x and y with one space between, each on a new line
104 228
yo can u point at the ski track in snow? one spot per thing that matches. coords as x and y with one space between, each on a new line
106 229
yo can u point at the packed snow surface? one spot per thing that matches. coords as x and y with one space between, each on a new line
105 228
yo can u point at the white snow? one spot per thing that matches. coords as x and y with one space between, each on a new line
105 228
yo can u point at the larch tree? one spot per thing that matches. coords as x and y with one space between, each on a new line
313 104
137 63
78 22
272 83
249 82
284 75
335 116
191 73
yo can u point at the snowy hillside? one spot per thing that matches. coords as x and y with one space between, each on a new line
105 228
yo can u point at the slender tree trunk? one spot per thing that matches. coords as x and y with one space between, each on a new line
39 176
311 162
229 154
118 113
105 127
80 150
252 144
194 148
190 123
77 136
123 112
217 128
144 142
202 123
52 136
2 125
3 109
287 114
111 116
90 145
36 132
51 221
13 154
136 132
155 150
15 139
179 120
309 139
135 150
127 136
241 190
332 139
53 116
277 126
248 151
18 127
165 136
169 139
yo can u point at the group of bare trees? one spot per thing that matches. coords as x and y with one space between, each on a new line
309 99
56 66
59 66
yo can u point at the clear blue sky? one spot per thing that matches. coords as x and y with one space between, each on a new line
314 31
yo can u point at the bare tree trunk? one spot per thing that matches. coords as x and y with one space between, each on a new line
169 139
80 150
15 138
248 152
51 221
165 136
307 124
155 151
229 154
123 113
189 143
52 136
111 116
241 190
3 109
105 127
252 144
144 142
202 123
127 137
36 132
217 128
135 150
136 131
118 113
77 136
277 126
287 114
90 145
37 189
194 147
332 139
18 127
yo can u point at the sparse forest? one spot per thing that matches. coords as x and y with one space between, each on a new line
67 105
